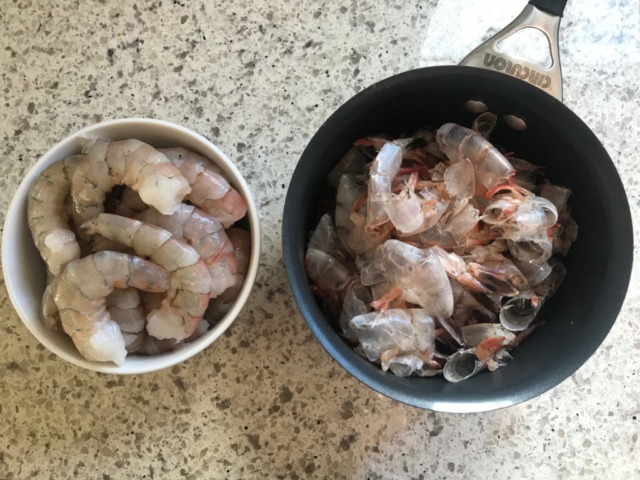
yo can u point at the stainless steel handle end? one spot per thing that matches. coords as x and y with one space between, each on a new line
487 55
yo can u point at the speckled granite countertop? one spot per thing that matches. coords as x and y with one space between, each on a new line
258 79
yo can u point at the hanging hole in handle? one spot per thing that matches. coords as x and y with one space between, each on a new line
529 43
475 106
515 122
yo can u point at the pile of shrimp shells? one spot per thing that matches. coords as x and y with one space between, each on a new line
440 251
139 245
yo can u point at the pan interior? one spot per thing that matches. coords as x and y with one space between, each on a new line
598 266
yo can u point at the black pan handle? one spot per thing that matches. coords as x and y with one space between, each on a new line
488 56
554 7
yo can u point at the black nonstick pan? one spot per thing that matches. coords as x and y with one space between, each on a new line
538 127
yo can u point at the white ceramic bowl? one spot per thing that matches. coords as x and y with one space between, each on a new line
24 270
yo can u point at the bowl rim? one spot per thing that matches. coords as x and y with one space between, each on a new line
156 362
329 338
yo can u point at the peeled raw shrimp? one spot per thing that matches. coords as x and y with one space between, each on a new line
241 243
150 301
123 304
128 162
80 293
458 143
210 190
187 299
152 346
205 234
398 333
384 169
48 218
179 153
130 204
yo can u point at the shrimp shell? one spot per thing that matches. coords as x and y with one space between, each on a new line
460 179
462 365
349 191
536 249
128 162
48 217
325 271
395 332
188 295
351 162
126 310
407 365
419 274
485 124
324 238
474 335
384 169
518 312
357 301
458 143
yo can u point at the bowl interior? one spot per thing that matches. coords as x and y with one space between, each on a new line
599 264
24 270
